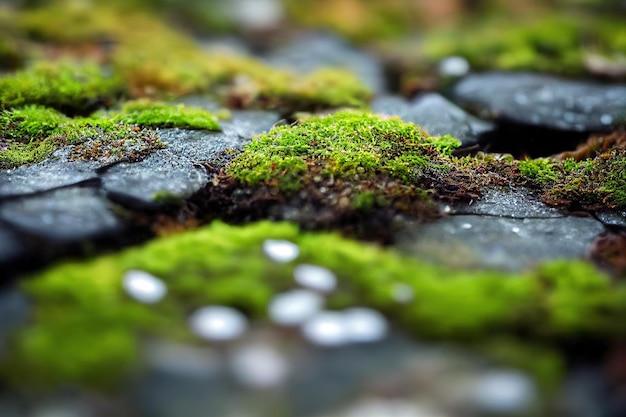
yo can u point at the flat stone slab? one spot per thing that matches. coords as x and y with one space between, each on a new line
63 215
496 242
54 172
436 115
503 202
542 100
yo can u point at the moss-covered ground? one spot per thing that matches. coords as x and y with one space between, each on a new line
77 303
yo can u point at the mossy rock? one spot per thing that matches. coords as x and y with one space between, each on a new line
82 301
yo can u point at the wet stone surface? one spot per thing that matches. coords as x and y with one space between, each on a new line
65 215
436 115
543 100
499 242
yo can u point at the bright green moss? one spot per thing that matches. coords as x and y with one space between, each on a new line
539 170
70 88
32 133
157 114
225 265
346 144
557 43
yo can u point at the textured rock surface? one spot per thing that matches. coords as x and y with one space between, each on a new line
503 243
543 100
436 115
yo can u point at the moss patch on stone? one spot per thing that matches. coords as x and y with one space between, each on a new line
70 88
351 145
33 133
159 114
557 43
80 301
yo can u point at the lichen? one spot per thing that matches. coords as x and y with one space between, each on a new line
77 302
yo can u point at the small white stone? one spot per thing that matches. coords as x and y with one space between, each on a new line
453 66
364 325
218 323
466 226
259 366
280 250
606 119
505 392
315 277
327 328
143 287
294 307
515 230
402 293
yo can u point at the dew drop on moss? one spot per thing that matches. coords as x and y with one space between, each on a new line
143 287
315 277
294 307
280 250
218 323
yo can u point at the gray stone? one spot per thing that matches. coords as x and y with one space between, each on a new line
504 202
498 242
11 245
63 215
162 174
312 51
436 115
54 172
196 145
248 123
612 218
542 100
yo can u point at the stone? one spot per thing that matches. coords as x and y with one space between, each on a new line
498 242
312 51
63 215
542 100
505 202
436 115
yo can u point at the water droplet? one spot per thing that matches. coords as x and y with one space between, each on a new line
606 119
218 323
294 307
364 325
143 287
466 226
504 392
280 250
515 230
259 366
402 293
326 329
315 277
453 66
447 209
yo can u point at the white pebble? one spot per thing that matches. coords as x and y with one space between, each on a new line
315 277
218 323
364 325
453 66
143 287
326 329
280 250
259 366
294 307
505 392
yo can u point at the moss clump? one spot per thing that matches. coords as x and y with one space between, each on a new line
70 88
540 170
557 43
32 133
158 114
76 301
344 145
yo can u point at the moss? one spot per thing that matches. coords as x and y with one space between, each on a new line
557 43
344 145
540 170
70 88
78 300
32 133
158 114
